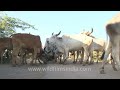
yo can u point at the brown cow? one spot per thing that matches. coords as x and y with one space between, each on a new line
21 42
5 43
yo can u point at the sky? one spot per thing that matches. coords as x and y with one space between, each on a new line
68 22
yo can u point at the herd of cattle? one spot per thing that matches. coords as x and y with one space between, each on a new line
19 45
83 43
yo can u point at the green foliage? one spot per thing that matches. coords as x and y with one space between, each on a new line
8 25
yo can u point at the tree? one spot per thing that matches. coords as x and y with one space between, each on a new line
8 25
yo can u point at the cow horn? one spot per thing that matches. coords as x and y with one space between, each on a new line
90 32
58 33
52 33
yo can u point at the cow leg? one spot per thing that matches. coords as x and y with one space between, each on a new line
74 56
35 60
41 58
91 60
55 60
86 54
20 60
88 61
115 54
14 56
98 59
13 60
65 57
41 61
77 56
113 64
104 62
60 58
34 56
82 56
1 58
56 57
105 56
9 56
38 58
24 59
31 63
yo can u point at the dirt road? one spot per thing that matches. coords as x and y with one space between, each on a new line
57 71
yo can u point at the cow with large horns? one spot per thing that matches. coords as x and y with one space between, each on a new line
51 51
97 45
82 50
88 33
68 43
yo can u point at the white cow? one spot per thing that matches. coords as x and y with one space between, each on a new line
113 46
70 43
52 51
81 51
97 45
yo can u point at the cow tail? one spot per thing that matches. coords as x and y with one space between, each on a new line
102 55
103 51
104 47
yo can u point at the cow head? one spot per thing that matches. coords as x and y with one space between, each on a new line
48 54
47 46
48 50
87 33
50 45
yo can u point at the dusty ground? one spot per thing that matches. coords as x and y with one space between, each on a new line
53 71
